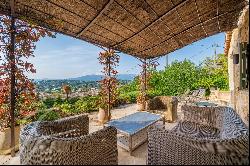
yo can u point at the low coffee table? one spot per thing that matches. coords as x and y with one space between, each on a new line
132 129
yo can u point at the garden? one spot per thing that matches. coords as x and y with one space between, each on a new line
172 81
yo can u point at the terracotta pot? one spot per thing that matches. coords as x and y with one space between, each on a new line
103 116
139 106
5 137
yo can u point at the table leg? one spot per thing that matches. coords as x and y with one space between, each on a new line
130 144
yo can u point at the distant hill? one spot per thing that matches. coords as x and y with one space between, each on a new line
99 77
95 77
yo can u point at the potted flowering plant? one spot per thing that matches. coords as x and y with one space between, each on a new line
139 100
108 93
17 92
148 66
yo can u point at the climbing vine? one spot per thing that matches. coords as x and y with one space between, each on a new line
26 35
109 84
148 67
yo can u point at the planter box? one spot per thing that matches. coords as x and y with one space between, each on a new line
5 137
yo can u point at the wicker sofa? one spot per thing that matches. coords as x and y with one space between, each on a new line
165 105
67 142
205 136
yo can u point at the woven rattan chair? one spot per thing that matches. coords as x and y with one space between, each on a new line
165 105
206 136
67 142
195 96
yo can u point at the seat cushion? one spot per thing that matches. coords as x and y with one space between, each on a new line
196 130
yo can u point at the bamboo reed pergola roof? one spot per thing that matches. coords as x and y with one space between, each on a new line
227 42
141 28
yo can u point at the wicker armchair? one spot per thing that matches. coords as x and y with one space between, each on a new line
165 105
67 142
206 136
194 96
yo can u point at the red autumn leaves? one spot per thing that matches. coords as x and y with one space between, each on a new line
25 37
109 59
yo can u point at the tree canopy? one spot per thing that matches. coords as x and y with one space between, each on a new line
181 76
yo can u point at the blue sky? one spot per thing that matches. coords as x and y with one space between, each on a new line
66 57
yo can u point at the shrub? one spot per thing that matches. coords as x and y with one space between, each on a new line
50 102
87 104
47 115
73 100
67 108
128 97
153 93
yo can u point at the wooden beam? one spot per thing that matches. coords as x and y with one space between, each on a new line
217 16
217 11
197 10
181 19
32 17
12 77
94 20
77 37
140 20
177 41
49 1
176 6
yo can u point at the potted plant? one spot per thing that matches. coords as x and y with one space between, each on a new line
108 93
17 92
22 117
103 115
139 101
5 132
148 66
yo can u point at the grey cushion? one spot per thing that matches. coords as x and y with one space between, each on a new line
197 130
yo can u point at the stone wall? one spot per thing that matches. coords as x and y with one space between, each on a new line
222 97
242 105
239 98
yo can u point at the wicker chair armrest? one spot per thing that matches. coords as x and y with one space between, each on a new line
78 122
233 147
150 105
97 148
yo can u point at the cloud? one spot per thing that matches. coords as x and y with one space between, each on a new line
71 61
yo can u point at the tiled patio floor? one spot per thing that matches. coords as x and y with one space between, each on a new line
138 156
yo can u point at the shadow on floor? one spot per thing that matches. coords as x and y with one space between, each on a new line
138 157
